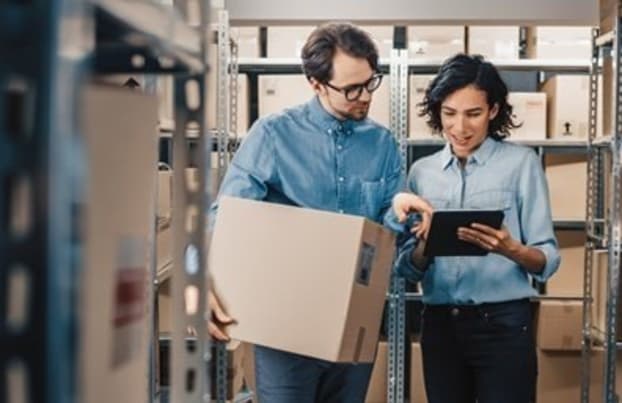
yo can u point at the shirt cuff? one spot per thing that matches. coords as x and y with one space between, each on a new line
405 267
551 254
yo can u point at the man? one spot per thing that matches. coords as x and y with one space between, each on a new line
327 155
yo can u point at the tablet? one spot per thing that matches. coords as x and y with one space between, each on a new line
443 236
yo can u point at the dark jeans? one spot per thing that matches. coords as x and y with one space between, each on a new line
484 353
289 378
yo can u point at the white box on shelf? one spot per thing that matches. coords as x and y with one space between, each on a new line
435 42
529 109
494 43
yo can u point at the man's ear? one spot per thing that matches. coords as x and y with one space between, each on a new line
317 87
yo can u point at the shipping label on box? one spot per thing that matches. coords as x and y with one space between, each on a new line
130 301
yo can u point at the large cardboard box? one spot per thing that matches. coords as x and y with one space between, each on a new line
287 42
417 385
568 104
301 270
559 43
559 325
567 177
377 390
280 91
568 280
115 294
418 127
435 42
494 43
530 110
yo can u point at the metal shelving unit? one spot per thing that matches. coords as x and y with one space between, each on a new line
51 47
40 153
149 38
604 220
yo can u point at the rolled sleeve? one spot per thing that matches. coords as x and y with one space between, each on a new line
535 217
403 263
553 259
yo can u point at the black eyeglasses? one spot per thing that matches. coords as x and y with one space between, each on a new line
353 92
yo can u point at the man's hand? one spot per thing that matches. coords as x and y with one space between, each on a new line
406 203
219 319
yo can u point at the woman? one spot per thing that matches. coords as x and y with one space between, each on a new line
477 338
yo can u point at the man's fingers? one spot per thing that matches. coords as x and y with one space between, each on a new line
221 317
216 332
217 312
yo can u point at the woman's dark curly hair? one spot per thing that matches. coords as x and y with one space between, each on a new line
458 72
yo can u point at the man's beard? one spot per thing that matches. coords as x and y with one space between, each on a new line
358 114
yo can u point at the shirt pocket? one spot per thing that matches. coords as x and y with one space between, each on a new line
490 200
372 197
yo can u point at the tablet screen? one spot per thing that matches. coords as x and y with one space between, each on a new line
443 236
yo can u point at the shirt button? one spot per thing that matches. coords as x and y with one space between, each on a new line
349 131
339 147
340 211
455 311
330 131
341 179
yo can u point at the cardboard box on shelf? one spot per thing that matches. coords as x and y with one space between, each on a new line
435 42
377 389
165 200
417 385
600 289
530 110
568 280
287 42
247 39
347 257
494 43
559 377
568 110
380 108
418 128
277 92
559 325
567 200
559 43
114 295
165 321
382 35
164 247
